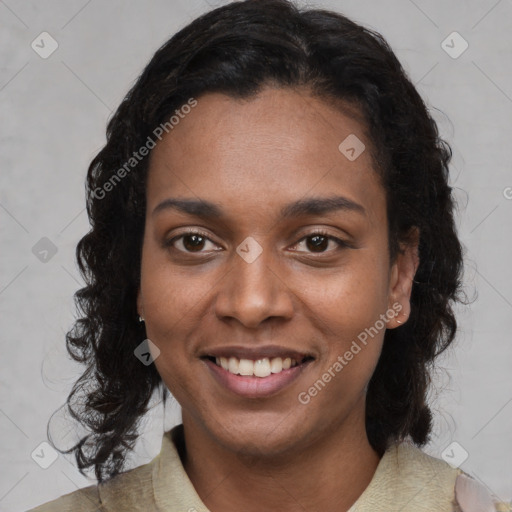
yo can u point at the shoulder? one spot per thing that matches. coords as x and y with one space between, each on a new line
130 488
160 484
85 499
465 491
405 458
407 478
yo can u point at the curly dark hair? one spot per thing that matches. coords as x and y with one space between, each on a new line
238 49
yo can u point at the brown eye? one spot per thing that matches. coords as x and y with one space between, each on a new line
189 242
318 243
193 242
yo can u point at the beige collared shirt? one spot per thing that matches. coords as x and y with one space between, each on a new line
406 479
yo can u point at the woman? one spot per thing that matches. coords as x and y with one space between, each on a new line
273 242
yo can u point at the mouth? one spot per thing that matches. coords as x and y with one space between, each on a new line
261 367
255 373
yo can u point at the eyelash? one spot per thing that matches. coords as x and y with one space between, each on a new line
341 244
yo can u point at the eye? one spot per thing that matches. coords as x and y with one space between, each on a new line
189 242
318 242
196 242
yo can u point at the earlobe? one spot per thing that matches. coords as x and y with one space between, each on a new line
402 277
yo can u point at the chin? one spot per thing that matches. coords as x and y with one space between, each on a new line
261 438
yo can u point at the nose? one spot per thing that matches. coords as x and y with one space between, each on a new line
254 292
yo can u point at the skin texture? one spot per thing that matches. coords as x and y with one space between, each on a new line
252 157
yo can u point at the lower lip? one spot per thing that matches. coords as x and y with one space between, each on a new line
255 387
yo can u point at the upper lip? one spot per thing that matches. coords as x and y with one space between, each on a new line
255 353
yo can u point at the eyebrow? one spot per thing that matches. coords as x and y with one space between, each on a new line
303 207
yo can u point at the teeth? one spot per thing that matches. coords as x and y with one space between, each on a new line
259 368
262 367
233 365
246 367
276 365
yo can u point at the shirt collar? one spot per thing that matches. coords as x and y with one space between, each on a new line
405 477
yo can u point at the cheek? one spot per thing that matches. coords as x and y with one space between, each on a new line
171 294
350 298
170 318
172 303
347 308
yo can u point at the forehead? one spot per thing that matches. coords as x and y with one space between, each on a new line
271 148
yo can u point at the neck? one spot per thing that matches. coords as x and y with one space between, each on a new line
328 474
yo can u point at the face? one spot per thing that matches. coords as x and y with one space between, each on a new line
263 277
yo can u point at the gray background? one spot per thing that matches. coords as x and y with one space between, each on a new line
54 112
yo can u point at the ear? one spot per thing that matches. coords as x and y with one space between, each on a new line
402 274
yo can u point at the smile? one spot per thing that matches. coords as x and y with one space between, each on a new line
259 377
256 368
